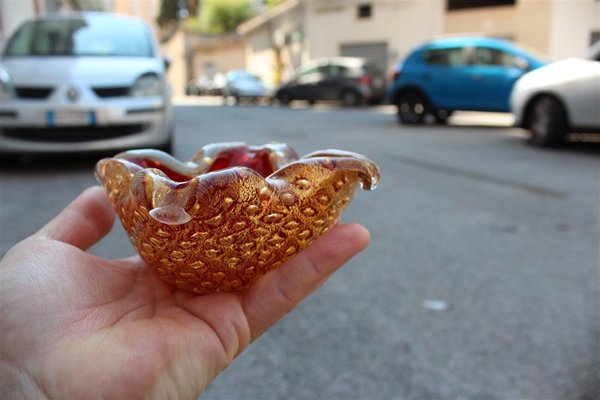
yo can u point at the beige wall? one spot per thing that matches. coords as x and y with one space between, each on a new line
261 57
527 22
493 21
400 24
224 55
145 9
174 50
532 25
326 25
260 48
13 12
556 28
571 25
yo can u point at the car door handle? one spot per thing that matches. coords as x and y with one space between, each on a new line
477 77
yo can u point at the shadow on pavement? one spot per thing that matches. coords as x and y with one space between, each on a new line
582 147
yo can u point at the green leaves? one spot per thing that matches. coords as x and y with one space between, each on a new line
218 17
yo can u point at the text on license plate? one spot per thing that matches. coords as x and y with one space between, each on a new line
70 117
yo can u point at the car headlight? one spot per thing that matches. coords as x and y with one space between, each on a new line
6 87
147 85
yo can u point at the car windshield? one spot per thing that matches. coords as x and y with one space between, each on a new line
81 37
249 78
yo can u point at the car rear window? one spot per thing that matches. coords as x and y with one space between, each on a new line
81 37
373 70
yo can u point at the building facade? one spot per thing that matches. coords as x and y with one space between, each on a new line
276 42
556 28
282 38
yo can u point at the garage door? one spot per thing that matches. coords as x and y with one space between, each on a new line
376 52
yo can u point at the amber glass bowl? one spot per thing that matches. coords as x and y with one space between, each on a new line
233 212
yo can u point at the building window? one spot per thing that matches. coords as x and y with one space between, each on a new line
460 4
364 11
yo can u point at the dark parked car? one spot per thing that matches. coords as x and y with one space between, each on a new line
353 81
458 73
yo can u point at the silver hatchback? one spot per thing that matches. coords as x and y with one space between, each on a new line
83 82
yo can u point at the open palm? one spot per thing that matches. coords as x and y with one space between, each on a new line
75 325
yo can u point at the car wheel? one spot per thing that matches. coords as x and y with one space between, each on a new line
284 98
441 116
351 98
412 107
547 123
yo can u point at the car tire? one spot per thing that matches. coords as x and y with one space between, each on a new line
441 116
284 98
351 98
547 123
412 107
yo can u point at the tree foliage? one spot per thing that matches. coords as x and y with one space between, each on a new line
273 3
169 11
218 17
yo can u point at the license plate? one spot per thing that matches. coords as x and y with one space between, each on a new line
70 118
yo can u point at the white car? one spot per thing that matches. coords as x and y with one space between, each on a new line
558 99
83 82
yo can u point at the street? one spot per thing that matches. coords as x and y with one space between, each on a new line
481 280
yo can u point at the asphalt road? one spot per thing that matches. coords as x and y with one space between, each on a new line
481 281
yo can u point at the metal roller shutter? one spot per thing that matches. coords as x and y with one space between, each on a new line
376 52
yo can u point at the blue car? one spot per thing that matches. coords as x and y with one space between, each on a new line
458 73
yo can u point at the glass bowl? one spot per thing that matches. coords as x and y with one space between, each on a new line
233 212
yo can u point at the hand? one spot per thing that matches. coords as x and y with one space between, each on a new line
74 325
